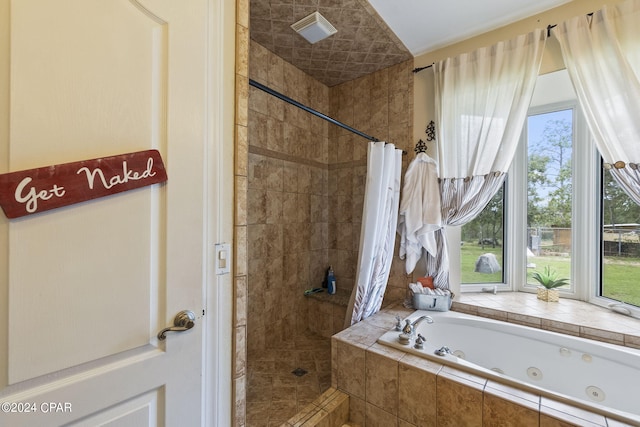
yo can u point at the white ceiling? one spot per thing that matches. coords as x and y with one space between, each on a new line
425 25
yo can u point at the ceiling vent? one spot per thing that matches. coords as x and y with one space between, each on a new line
314 28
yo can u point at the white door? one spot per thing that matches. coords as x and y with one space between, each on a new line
85 289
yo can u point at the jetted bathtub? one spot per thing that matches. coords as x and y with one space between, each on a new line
599 376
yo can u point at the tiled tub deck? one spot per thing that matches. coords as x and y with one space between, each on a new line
388 387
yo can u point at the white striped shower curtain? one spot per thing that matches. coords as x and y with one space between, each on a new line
378 230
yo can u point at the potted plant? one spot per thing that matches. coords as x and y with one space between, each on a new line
549 280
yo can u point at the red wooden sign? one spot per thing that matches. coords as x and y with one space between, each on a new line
36 190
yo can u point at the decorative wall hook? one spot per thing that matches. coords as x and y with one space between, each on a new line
421 147
431 131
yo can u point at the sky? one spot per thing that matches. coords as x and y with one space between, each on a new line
535 128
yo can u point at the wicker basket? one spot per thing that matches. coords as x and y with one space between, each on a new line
550 295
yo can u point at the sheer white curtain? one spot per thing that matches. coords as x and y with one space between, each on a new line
602 56
482 98
378 230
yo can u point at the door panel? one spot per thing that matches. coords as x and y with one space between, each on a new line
88 286
137 412
95 75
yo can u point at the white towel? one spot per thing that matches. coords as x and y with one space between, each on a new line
419 215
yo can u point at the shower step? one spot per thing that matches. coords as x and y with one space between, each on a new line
330 409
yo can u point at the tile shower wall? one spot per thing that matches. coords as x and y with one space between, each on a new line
380 105
299 194
240 215
287 201
305 185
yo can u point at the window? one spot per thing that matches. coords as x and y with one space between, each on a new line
558 208
481 246
536 210
549 141
620 244
554 194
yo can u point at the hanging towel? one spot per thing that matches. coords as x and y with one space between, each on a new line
419 216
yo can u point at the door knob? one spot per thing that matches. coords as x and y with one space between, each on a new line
182 322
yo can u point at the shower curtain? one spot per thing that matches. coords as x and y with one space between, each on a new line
378 230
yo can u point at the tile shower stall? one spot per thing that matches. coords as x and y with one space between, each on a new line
304 194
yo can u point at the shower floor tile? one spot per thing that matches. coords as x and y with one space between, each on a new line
274 392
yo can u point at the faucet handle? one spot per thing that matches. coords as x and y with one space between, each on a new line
398 323
443 351
420 342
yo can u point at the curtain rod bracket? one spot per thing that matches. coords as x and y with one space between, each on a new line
549 27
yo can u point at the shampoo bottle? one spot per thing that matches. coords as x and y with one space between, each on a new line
331 281
325 281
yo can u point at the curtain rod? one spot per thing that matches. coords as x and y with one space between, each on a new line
416 70
549 27
310 110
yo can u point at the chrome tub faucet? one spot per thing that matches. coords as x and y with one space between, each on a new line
410 327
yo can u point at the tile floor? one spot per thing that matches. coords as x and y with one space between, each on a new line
274 393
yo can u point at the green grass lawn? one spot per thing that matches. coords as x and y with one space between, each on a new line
621 275
469 254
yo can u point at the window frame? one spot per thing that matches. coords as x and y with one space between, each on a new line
488 286
585 221
585 213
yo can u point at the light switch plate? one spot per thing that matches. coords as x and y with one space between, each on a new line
223 258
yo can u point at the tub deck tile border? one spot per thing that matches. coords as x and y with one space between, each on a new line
564 320
571 413
522 397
